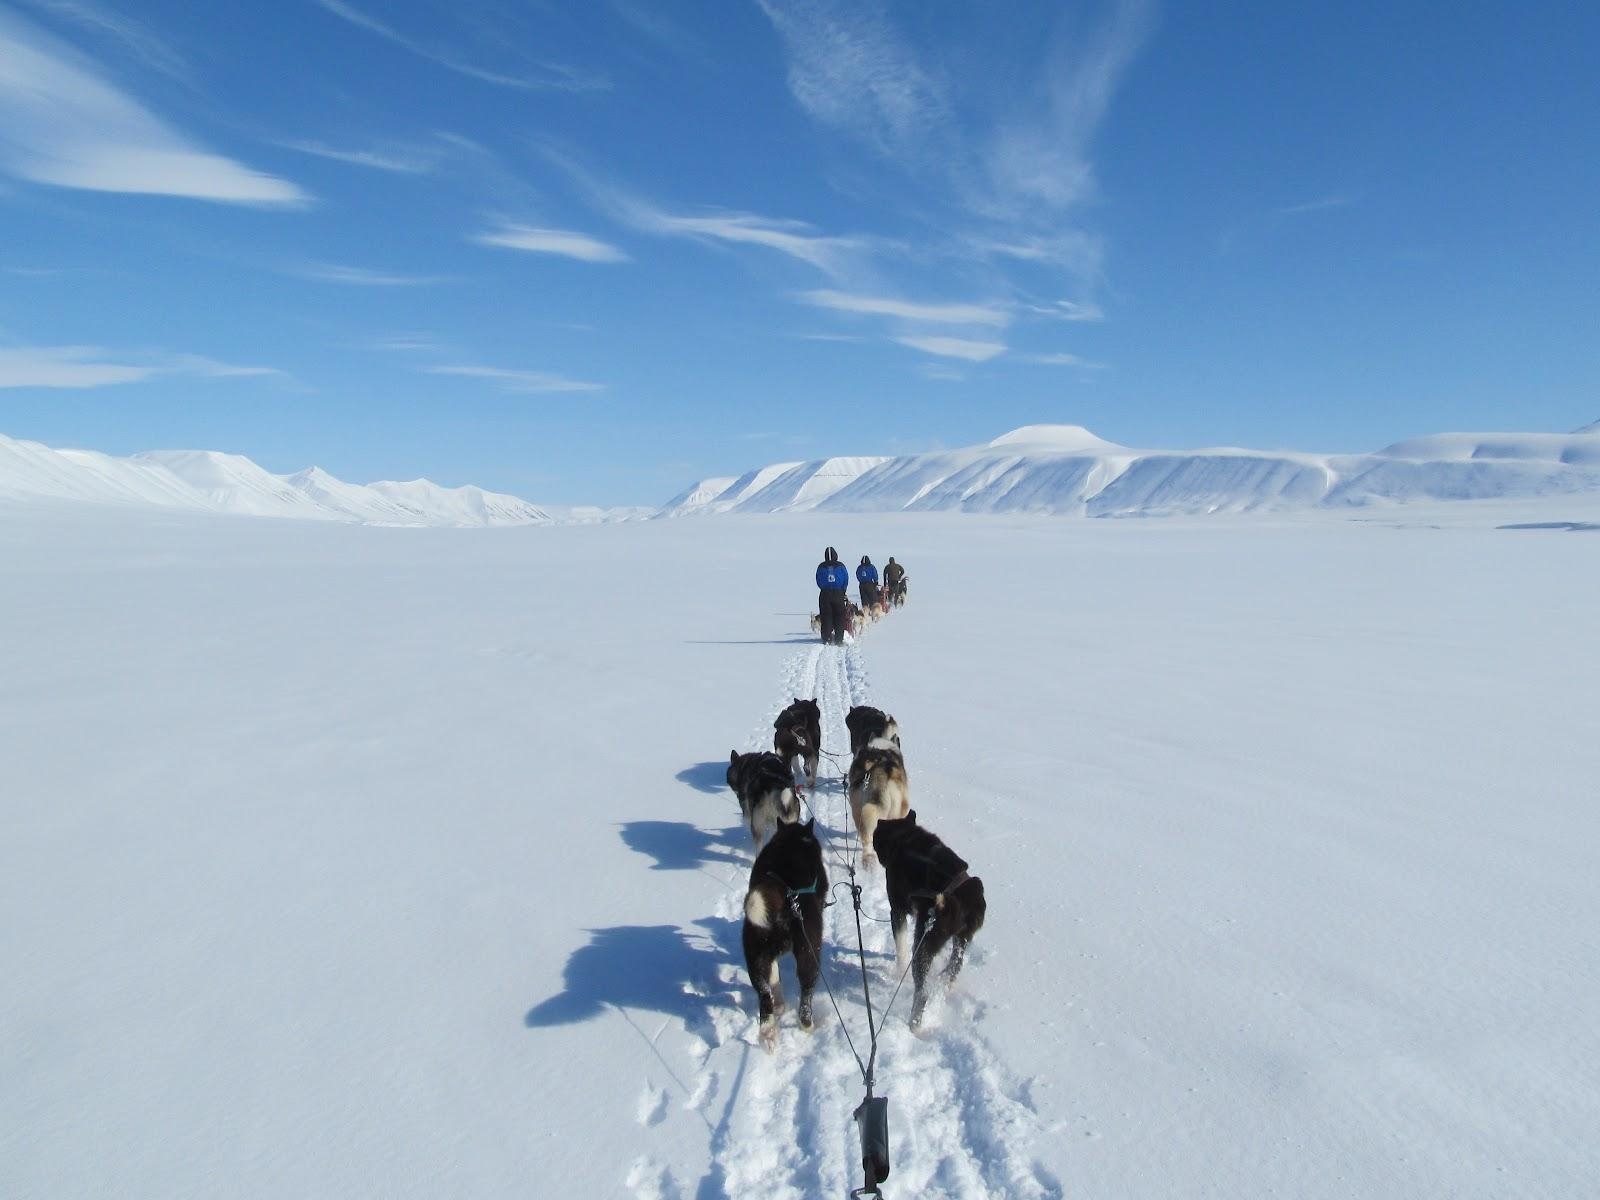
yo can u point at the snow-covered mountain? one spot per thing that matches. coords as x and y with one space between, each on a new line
211 481
782 487
1065 469
1057 469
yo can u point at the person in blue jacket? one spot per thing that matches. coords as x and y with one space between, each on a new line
833 577
867 577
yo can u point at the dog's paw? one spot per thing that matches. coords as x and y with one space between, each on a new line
769 1035
808 1024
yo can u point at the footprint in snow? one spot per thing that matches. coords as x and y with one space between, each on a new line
652 1105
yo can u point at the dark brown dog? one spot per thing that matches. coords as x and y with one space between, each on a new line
927 879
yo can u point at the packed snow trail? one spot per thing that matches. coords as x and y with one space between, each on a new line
960 1126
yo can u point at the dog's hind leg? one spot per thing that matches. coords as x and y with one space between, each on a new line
866 824
930 940
769 991
762 964
897 799
763 821
958 955
902 944
775 982
806 963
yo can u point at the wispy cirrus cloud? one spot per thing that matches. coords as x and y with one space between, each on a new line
1078 252
1038 154
888 306
93 366
797 239
519 381
406 343
989 137
150 49
829 337
851 69
321 272
1320 205
833 255
529 74
1069 310
968 349
649 20
62 123
395 158
1060 360
562 242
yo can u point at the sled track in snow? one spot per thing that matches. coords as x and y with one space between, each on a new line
961 1127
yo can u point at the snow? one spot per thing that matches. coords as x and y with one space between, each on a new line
234 483
697 496
1060 470
464 505
1581 448
806 485
212 481
1053 437
1065 470
341 862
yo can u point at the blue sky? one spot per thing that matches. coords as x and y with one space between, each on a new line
588 252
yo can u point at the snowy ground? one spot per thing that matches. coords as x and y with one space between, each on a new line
351 861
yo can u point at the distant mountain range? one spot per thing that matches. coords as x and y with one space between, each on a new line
1058 469
1066 470
207 480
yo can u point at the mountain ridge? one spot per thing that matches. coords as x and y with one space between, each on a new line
1069 471
217 481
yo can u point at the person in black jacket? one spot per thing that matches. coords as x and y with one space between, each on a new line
894 576
833 577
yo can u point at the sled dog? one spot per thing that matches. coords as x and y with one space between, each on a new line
783 915
765 789
797 738
878 789
929 881
865 723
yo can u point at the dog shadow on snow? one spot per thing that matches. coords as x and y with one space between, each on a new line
663 969
678 845
708 777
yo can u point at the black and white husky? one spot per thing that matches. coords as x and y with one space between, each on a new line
865 723
783 915
879 788
765 789
797 738
928 880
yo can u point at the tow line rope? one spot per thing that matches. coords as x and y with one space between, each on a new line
872 1114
